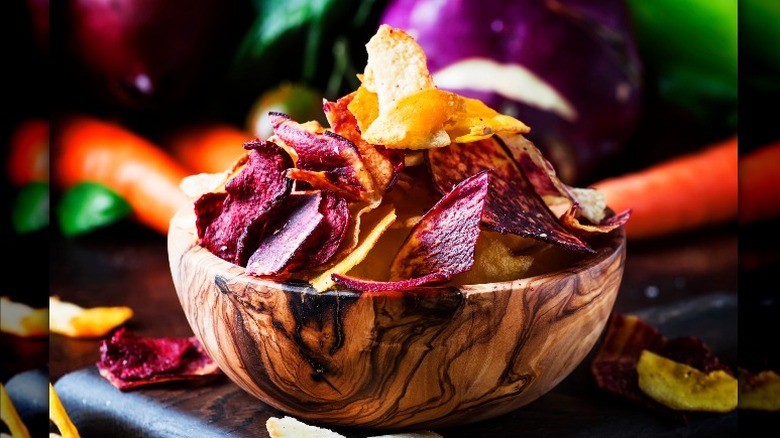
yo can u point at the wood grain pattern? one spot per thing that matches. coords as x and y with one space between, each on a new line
427 358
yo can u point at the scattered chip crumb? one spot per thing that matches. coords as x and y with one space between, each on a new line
289 427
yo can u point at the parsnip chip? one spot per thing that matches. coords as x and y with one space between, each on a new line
59 416
71 320
10 416
759 391
683 387
22 320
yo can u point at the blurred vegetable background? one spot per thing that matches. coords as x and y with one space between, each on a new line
608 87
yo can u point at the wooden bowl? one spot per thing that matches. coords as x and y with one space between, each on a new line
433 357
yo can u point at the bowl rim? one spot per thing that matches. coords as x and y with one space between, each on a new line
183 224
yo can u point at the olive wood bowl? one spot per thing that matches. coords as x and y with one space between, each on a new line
430 357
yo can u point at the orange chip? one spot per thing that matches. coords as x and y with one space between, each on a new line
69 319
683 387
22 320
399 106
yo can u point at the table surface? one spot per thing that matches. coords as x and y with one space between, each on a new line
128 266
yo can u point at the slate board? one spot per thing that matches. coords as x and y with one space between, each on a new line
576 408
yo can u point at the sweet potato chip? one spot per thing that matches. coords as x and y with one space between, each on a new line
683 387
128 361
759 391
71 320
222 218
23 320
325 160
513 205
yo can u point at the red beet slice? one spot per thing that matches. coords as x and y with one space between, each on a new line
325 160
440 245
128 361
251 194
513 205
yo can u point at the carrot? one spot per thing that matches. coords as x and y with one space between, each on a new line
210 147
686 192
89 149
759 184
28 160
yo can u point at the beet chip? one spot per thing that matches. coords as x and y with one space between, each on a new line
440 245
304 232
224 217
129 361
614 366
513 206
325 159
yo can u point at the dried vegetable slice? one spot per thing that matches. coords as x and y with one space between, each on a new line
128 361
23 320
683 387
440 245
222 218
10 416
399 106
69 319
383 164
325 160
306 234
615 366
513 205
59 416
759 391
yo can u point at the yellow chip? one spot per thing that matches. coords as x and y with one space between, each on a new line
22 320
324 281
682 387
59 416
69 319
760 391
10 416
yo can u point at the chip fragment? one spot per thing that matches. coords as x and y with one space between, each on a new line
23 320
69 319
128 361
683 387
615 366
759 391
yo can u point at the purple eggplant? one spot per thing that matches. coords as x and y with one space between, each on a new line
147 54
569 69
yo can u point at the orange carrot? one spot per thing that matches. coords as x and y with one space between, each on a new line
759 184
86 148
209 147
687 192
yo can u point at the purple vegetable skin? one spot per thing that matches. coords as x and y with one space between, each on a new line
568 69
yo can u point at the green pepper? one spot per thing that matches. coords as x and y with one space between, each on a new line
88 206
30 211
689 48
